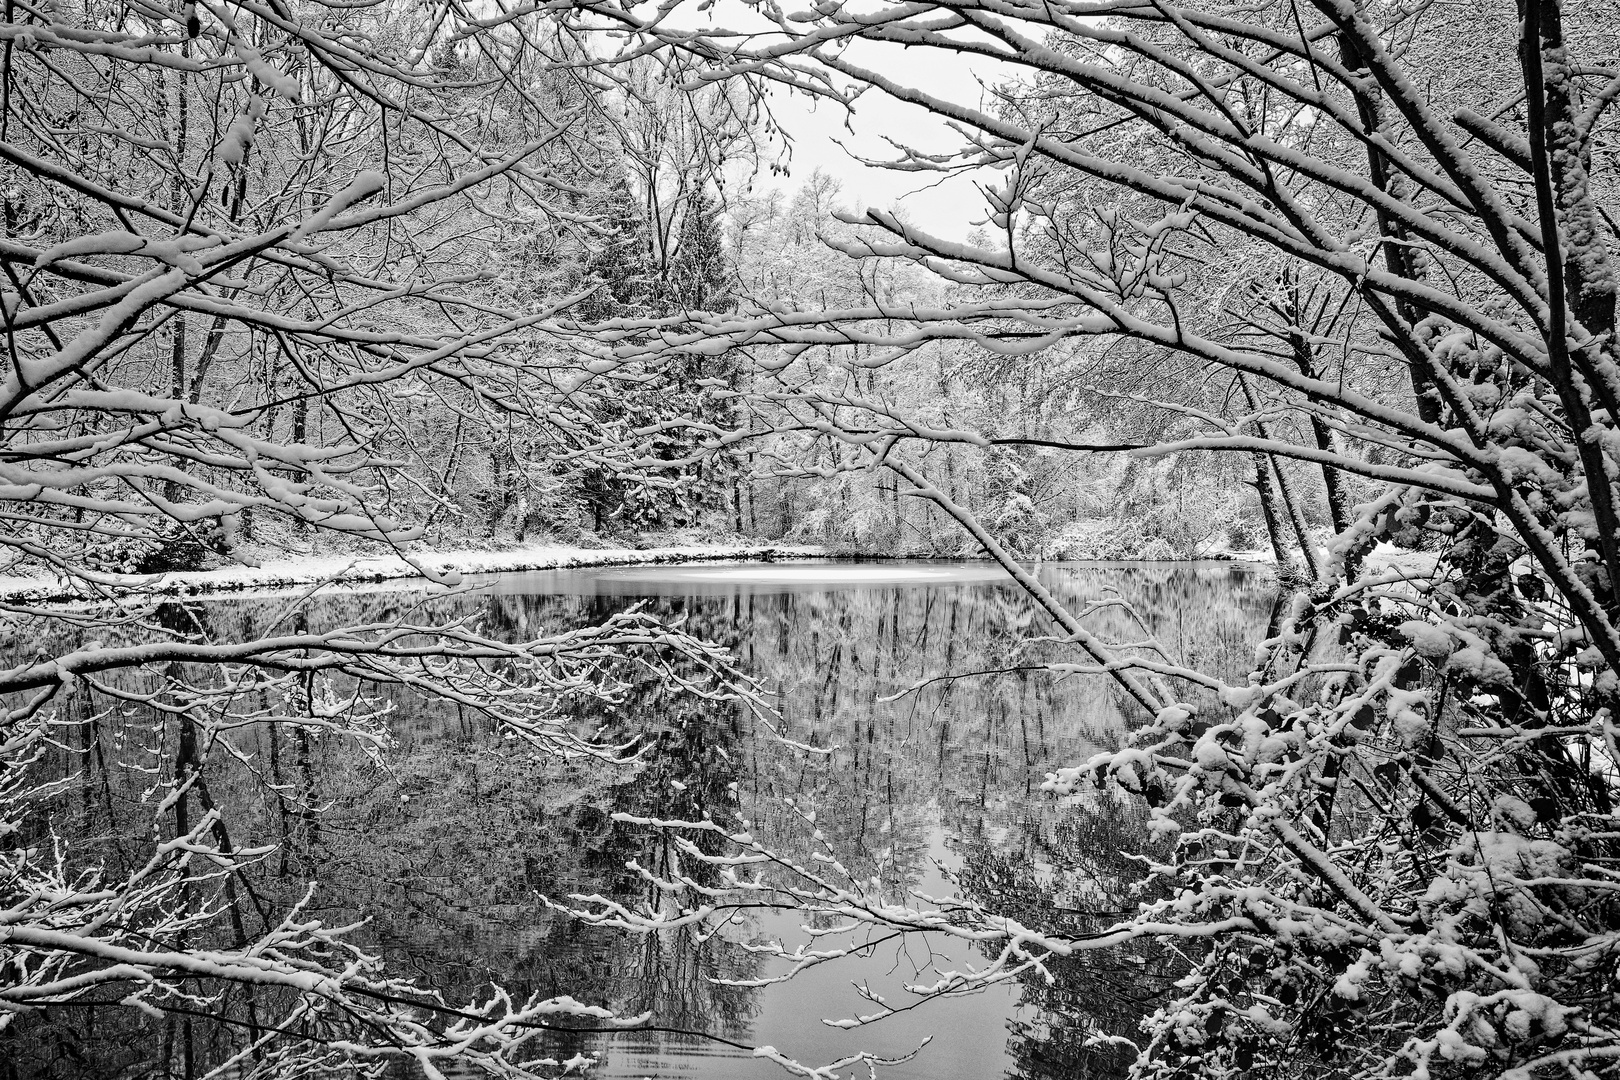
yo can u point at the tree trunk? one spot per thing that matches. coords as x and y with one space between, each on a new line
1397 256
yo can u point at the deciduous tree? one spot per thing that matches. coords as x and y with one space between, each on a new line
1388 233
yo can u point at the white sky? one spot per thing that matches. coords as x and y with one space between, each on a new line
948 206
951 206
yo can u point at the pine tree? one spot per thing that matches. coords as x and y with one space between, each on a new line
701 278
621 263
700 273
698 279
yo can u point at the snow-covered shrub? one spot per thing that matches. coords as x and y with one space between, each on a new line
175 548
1243 534
1114 541
1331 263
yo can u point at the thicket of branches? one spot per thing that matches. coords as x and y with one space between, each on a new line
1373 238
289 272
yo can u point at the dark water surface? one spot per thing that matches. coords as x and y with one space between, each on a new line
449 848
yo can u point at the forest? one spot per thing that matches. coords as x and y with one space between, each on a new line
1327 285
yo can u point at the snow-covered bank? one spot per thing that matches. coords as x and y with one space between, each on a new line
348 570
447 566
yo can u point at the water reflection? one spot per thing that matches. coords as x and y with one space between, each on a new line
447 849
745 578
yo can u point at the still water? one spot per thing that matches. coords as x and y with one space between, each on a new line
448 846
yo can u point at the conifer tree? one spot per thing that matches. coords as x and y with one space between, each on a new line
700 273
621 263
701 390
701 279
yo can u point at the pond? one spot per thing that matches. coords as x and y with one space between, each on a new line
448 844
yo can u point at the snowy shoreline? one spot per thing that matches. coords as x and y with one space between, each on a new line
445 568
342 570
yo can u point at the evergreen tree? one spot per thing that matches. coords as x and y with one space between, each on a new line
700 273
621 263
698 279
701 278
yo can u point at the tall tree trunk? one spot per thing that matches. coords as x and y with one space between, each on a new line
1283 494
1580 375
1589 277
1286 564
179 197
1397 255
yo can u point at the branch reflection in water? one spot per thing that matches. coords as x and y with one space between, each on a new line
919 682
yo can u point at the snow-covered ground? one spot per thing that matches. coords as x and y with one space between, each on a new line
821 572
446 566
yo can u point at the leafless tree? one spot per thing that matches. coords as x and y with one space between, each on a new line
275 268
1386 227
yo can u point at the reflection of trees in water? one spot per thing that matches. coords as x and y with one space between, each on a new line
447 851
118 760
1072 875
452 878
1207 615
961 749
970 754
445 854
689 757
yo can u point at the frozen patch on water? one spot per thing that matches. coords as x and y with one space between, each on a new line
750 578
821 573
